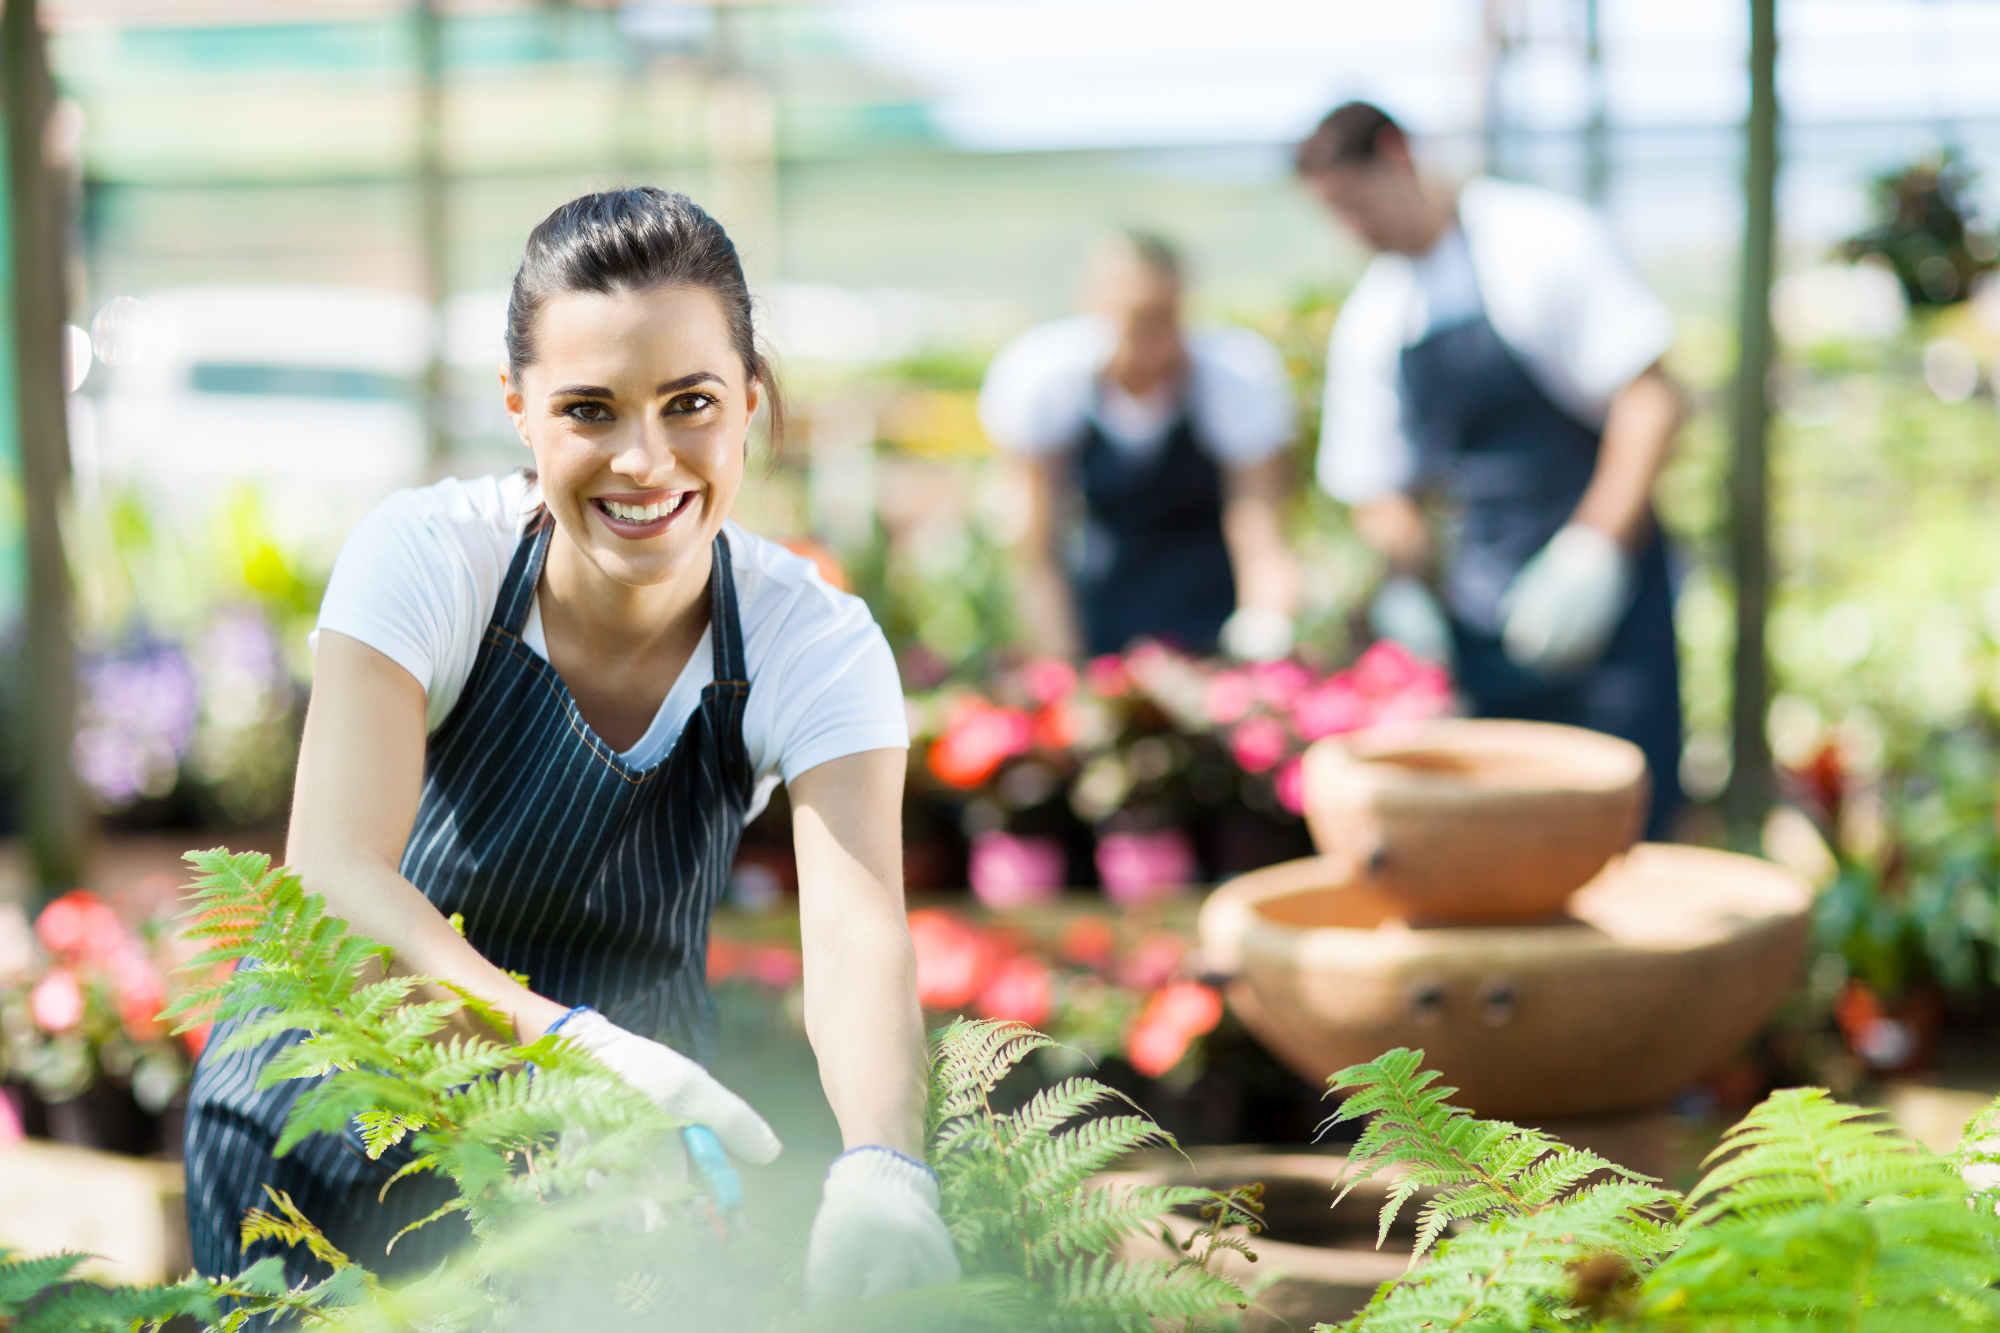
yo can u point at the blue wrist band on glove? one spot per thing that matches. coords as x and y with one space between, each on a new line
580 1009
879 1147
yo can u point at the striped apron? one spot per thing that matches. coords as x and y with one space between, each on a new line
595 879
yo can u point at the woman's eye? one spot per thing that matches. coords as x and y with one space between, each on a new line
689 403
587 412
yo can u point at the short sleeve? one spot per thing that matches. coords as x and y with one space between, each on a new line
1242 397
1039 388
1561 293
1364 452
417 579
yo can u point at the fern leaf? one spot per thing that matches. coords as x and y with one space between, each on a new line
1799 1148
21 1280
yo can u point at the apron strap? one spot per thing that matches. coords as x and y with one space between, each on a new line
517 590
725 630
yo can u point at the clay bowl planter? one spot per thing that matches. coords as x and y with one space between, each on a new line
1666 965
1475 821
1316 1264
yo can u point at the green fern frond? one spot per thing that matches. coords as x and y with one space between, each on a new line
1801 1148
291 1227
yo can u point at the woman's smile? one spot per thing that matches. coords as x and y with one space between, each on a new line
638 515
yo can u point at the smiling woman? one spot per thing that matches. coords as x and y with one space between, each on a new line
548 703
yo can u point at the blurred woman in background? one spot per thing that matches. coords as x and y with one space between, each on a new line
1153 464
1500 355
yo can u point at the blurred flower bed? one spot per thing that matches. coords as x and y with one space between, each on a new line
1131 752
82 1056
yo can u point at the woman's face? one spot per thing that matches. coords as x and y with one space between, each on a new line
638 409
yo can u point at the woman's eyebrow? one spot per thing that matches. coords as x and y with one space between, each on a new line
689 381
581 391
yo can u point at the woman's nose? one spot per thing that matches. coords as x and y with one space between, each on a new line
646 456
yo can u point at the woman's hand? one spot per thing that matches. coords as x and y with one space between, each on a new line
878 1230
676 1084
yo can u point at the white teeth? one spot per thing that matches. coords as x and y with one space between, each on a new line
640 513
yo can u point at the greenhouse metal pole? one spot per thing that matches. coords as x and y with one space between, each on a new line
1748 798
431 206
52 815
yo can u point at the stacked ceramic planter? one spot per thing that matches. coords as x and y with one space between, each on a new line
1478 895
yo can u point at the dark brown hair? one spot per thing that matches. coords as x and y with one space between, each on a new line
1348 137
635 240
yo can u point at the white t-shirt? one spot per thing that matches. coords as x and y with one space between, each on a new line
1045 386
1558 292
418 578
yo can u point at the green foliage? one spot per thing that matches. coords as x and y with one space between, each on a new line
1813 1216
1013 1187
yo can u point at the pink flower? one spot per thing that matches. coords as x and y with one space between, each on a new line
1138 867
142 992
79 925
775 966
1154 962
1021 991
1107 676
1290 785
56 1003
1048 679
978 738
1330 708
954 961
1278 683
1259 743
1172 1019
1054 727
1007 871
1230 694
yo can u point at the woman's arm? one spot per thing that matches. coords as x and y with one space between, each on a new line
1046 608
361 769
860 971
1638 437
1267 579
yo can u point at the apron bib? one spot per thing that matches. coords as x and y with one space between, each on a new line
1153 561
594 878
1514 466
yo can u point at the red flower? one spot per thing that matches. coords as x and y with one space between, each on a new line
1055 726
1172 1019
769 965
954 960
142 993
1088 940
79 926
978 738
1258 743
196 1038
1154 962
1021 991
1230 694
1048 680
1107 676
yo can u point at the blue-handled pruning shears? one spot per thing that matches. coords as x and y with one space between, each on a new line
709 1168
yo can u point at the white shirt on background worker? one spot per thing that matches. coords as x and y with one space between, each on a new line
1046 386
1544 269
418 578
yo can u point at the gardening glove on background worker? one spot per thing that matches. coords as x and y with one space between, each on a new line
1257 634
676 1084
1406 611
878 1231
1562 608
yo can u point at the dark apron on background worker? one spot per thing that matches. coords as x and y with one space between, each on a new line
1514 466
1153 562
594 879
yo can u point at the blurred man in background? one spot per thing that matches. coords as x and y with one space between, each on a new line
1500 356
1154 467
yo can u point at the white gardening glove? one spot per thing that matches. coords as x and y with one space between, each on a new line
1560 610
878 1231
676 1084
1254 634
1407 612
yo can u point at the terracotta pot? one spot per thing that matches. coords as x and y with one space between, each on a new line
1669 962
1316 1264
1472 822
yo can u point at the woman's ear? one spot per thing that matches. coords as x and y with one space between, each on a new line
517 406
753 396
